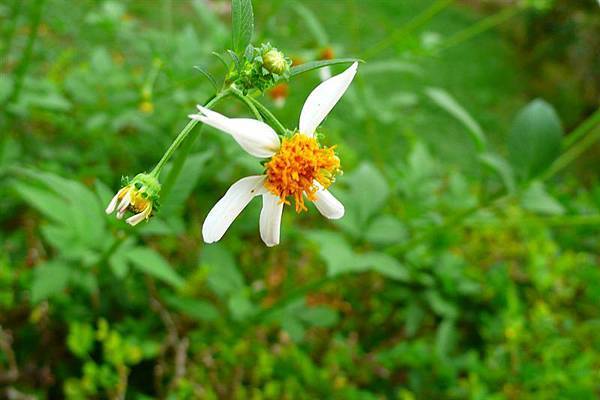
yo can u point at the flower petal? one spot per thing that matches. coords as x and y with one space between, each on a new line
256 137
136 219
230 206
328 205
112 205
270 219
323 98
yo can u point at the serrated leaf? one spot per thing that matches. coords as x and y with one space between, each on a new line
173 202
369 191
309 66
223 276
242 24
385 229
150 262
49 279
535 139
445 101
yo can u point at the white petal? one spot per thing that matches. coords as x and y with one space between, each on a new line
324 73
230 206
122 207
113 204
256 137
328 205
270 219
323 98
136 219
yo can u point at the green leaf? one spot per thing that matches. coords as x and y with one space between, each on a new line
223 276
386 229
312 23
208 76
319 316
535 139
180 190
500 166
309 66
150 262
49 279
240 306
341 258
445 101
368 191
242 24
537 199
197 309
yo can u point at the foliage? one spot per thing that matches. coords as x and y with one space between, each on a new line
466 266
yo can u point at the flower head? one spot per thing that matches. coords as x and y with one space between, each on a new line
261 68
297 166
138 195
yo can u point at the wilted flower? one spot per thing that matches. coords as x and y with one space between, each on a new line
298 165
139 195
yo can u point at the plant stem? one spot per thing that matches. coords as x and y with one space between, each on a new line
271 119
184 133
36 17
478 28
248 104
582 129
409 28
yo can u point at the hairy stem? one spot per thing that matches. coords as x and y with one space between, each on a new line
270 118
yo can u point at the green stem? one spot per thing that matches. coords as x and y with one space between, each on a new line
9 33
582 129
36 17
183 135
248 104
271 119
478 28
414 24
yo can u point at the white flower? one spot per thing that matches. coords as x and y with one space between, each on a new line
298 165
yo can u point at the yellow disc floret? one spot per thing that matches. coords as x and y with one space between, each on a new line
297 166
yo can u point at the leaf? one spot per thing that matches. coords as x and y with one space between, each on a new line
500 166
242 19
535 139
386 265
240 306
208 76
150 262
197 309
312 23
369 191
444 100
319 316
49 279
386 229
223 276
537 199
309 66
180 190
340 258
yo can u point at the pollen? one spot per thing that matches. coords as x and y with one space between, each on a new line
297 166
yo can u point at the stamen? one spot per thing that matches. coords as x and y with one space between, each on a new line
300 162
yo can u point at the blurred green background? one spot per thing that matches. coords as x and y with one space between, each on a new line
466 267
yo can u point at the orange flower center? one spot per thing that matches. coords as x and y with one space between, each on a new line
299 163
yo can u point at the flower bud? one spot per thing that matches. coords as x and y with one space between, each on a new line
275 62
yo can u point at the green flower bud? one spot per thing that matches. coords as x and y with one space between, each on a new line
275 62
